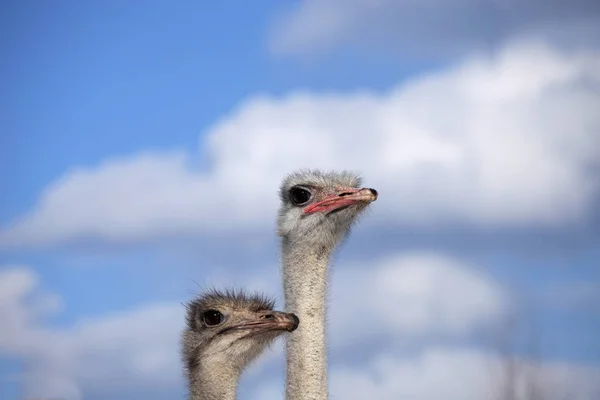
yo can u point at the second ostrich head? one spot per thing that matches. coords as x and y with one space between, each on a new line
225 332
320 207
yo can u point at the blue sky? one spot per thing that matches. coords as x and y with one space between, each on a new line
116 120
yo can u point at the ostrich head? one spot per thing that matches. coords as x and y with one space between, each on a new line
231 329
320 207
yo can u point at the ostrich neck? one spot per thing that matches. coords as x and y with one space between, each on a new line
211 381
305 288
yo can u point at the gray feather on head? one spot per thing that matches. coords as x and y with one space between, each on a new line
230 328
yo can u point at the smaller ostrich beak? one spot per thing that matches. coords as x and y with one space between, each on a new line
278 320
343 199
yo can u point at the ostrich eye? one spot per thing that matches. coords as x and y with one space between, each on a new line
299 195
212 317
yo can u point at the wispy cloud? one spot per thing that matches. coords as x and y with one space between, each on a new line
434 28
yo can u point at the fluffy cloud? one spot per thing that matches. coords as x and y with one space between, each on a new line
429 28
462 374
504 141
413 295
122 349
19 310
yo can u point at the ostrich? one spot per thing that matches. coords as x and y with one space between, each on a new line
225 332
316 214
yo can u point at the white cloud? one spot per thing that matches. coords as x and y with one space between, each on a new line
506 141
462 374
412 295
19 309
124 349
433 28
447 373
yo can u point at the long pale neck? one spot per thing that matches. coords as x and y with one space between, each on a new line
305 290
211 381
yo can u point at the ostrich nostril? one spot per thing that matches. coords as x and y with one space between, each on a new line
268 316
373 192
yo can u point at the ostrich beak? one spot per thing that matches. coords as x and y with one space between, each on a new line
267 321
343 199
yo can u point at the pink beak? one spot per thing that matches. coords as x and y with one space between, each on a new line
343 199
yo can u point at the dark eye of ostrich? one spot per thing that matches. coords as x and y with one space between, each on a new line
299 195
212 317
